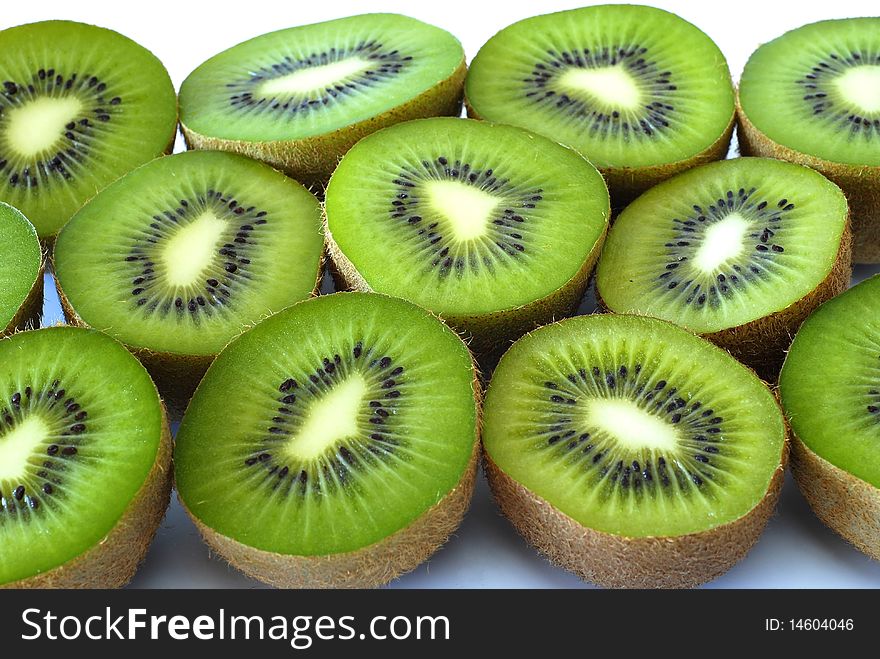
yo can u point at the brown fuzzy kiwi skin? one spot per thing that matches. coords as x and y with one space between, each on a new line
761 344
614 561
860 184
30 313
176 375
627 183
845 503
371 566
113 562
311 160
489 335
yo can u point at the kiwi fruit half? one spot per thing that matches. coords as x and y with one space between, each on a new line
179 256
640 92
615 448
495 229
299 98
348 453
811 96
21 272
739 251
830 390
85 460
79 106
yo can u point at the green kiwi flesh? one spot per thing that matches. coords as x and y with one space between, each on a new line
491 227
355 419
810 96
616 432
82 486
79 106
21 272
640 92
830 389
299 98
179 256
739 251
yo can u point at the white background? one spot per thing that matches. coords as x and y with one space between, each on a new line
795 551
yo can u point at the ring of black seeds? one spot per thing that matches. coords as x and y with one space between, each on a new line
44 479
765 241
597 117
244 96
74 147
228 271
507 229
873 406
378 439
694 464
824 99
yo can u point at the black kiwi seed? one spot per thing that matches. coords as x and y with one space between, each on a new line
149 286
701 430
244 93
647 122
74 146
768 220
377 438
55 412
820 81
446 254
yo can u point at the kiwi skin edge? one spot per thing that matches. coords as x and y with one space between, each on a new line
488 335
176 375
368 567
761 344
845 503
31 310
613 561
311 160
627 183
860 184
113 561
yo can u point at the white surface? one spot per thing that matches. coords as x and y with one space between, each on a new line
796 550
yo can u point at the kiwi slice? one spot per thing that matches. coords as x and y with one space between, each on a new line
83 487
614 447
493 228
21 272
640 92
739 251
830 390
348 455
179 256
79 106
811 96
299 98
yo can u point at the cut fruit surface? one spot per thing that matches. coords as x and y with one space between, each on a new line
315 79
70 463
724 244
623 425
464 218
21 264
627 86
830 383
816 90
181 254
79 106
355 417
